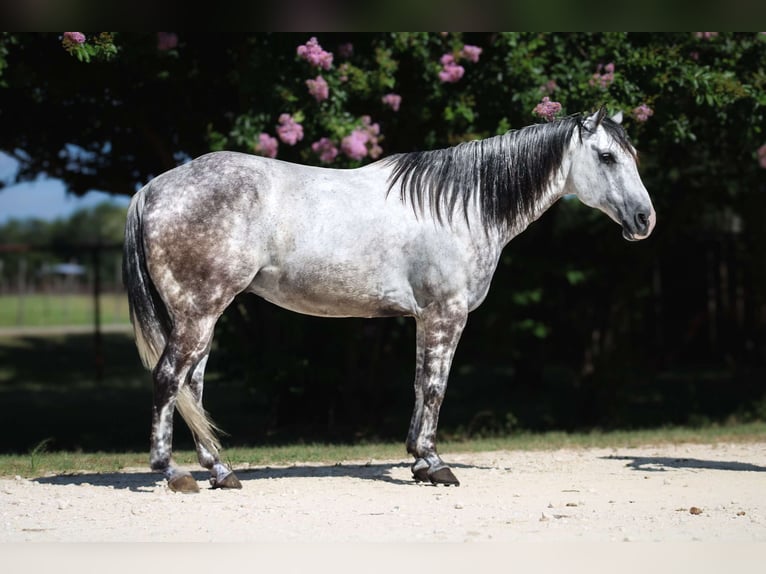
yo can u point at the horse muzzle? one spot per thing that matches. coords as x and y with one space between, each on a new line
639 225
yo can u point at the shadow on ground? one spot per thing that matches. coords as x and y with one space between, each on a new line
148 481
662 463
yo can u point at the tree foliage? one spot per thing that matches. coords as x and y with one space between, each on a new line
587 328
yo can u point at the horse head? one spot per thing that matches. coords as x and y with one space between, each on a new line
604 175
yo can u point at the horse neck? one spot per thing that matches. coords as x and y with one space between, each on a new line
556 189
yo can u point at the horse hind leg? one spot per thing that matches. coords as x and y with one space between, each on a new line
208 448
186 346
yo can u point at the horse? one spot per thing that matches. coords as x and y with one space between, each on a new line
416 234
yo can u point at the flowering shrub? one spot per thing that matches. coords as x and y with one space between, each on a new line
102 46
668 86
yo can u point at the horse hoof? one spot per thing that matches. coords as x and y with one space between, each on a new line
443 476
230 481
184 483
421 475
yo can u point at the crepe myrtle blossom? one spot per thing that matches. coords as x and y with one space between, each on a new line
547 109
288 130
603 80
73 38
354 145
393 101
471 53
363 141
451 71
266 145
642 113
318 88
762 156
325 149
313 53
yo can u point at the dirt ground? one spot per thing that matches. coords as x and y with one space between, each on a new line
684 493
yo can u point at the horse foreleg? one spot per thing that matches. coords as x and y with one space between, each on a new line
439 329
221 476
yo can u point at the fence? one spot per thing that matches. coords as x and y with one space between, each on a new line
72 287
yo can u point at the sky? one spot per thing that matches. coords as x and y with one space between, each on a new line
43 198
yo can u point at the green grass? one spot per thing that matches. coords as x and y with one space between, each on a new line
38 461
51 310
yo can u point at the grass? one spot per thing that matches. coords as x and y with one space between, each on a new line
39 461
52 310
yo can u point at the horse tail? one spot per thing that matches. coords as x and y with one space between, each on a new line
152 323
197 419
148 314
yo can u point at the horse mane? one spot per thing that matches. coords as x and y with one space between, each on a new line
510 172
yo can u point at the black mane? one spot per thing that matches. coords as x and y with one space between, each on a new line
510 173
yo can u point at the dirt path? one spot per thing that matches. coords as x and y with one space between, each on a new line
668 493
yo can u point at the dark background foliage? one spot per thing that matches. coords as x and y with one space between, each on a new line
581 329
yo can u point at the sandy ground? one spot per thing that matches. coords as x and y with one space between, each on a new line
680 493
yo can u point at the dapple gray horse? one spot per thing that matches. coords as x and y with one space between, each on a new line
417 234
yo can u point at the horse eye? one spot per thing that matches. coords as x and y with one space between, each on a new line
606 157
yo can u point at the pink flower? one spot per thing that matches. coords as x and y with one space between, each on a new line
451 72
393 101
313 53
547 109
166 41
363 141
705 35
74 38
354 145
325 149
318 88
762 156
605 79
642 113
288 130
266 145
471 53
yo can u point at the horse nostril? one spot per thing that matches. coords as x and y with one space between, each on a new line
642 221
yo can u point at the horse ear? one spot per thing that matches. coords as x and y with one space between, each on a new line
591 123
617 118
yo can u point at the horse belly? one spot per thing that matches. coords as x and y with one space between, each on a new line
333 290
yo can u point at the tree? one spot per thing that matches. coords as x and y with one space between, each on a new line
571 310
